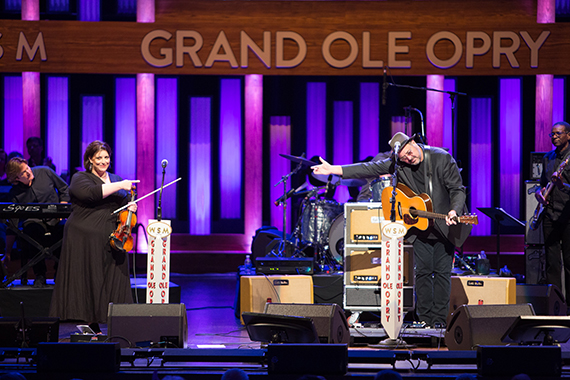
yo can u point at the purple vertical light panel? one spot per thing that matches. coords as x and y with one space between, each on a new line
57 124
369 120
510 140
546 11
32 105
125 155
58 5
434 111
316 119
448 85
543 112
230 148
30 10
342 142
145 129
279 143
145 11
558 100
13 114
89 10
253 156
91 121
145 150
167 141
480 188
200 183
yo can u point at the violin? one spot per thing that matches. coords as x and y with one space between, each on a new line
121 239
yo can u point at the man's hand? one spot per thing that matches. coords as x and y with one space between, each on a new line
325 168
451 218
557 181
540 197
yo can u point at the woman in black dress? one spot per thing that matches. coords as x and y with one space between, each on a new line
91 274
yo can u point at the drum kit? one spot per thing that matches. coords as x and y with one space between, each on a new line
320 225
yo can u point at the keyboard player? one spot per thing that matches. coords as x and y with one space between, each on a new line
39 184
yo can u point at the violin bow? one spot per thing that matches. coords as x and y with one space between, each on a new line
143 197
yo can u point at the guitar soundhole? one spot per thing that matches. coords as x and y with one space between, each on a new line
409 220
413 212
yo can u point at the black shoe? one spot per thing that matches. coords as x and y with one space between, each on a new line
40 282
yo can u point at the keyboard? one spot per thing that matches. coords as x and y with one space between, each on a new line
34 210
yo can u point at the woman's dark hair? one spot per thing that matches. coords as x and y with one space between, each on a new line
92 149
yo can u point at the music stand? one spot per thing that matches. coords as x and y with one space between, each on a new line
501 217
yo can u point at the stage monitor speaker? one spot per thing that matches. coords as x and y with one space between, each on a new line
256 291
535 264
545 299
508 361
146 324
329 319
39 330
532 237
78 357
480 290
307 359
474 325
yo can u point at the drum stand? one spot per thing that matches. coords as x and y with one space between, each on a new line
322 256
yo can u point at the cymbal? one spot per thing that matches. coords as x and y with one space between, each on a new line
300 160
336 180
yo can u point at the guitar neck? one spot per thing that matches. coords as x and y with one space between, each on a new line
429 214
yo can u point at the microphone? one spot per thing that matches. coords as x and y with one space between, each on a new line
396 149
284 197
164 163
384 87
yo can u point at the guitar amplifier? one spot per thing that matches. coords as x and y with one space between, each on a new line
363 223
481 290
364 266
256 291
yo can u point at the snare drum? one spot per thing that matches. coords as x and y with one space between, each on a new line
336 239
378 185
318 216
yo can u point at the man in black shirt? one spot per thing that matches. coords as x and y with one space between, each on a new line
556 219
35 185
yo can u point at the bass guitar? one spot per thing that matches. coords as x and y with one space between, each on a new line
416 210
538 215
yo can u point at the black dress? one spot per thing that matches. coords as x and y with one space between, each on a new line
91 274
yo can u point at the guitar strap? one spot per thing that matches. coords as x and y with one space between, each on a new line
428 172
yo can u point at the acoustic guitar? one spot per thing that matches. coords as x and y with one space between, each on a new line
538 215
416 210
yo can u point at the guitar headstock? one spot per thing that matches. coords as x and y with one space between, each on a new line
469 219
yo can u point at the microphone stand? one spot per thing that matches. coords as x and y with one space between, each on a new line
394 184
452 96
159 210
284 179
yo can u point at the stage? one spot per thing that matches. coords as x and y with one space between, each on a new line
216 340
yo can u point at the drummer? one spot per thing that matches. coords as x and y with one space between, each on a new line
365 194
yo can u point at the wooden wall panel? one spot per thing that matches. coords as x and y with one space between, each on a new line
115 47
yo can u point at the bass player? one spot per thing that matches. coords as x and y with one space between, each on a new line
556 214
432 171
